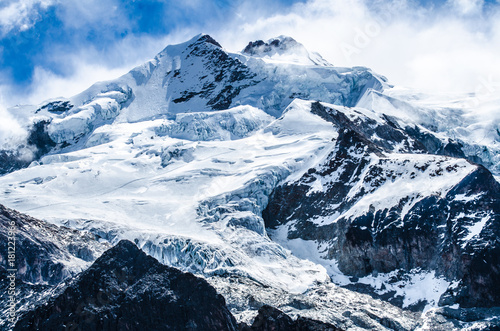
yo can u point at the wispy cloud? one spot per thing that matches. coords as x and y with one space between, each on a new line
50 44
467 7
446 47
11 132
20 14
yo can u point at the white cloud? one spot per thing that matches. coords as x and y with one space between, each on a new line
465 7
87 66
49 85
21 14
427 48
11 132
81 14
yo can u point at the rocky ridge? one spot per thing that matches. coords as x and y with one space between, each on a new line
347 208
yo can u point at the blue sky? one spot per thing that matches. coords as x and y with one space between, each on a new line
54 48
44 28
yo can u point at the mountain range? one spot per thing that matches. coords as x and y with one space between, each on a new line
320 194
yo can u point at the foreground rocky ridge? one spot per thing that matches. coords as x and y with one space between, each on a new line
118 266
124 274
46 256
126 289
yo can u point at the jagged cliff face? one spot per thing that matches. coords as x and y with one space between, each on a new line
274 167
373 211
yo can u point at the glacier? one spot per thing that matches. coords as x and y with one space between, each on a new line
182 155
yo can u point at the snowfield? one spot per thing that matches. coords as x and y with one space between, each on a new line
163 191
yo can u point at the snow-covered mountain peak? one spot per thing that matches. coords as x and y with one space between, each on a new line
199 39
278 45
205 38
283 49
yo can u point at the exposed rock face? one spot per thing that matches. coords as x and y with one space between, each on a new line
221 79
46 253
285 48
11 160
260 47
270 318
127 290
368 219
40 139
389 135
56 106
45 256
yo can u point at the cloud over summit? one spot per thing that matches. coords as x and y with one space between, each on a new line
51 48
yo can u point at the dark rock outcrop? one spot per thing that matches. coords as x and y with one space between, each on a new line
272 319
125 289
389 135
40 139
12 160
57 106
281 44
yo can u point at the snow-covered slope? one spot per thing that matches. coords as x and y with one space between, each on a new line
273 166
198 75
169 193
